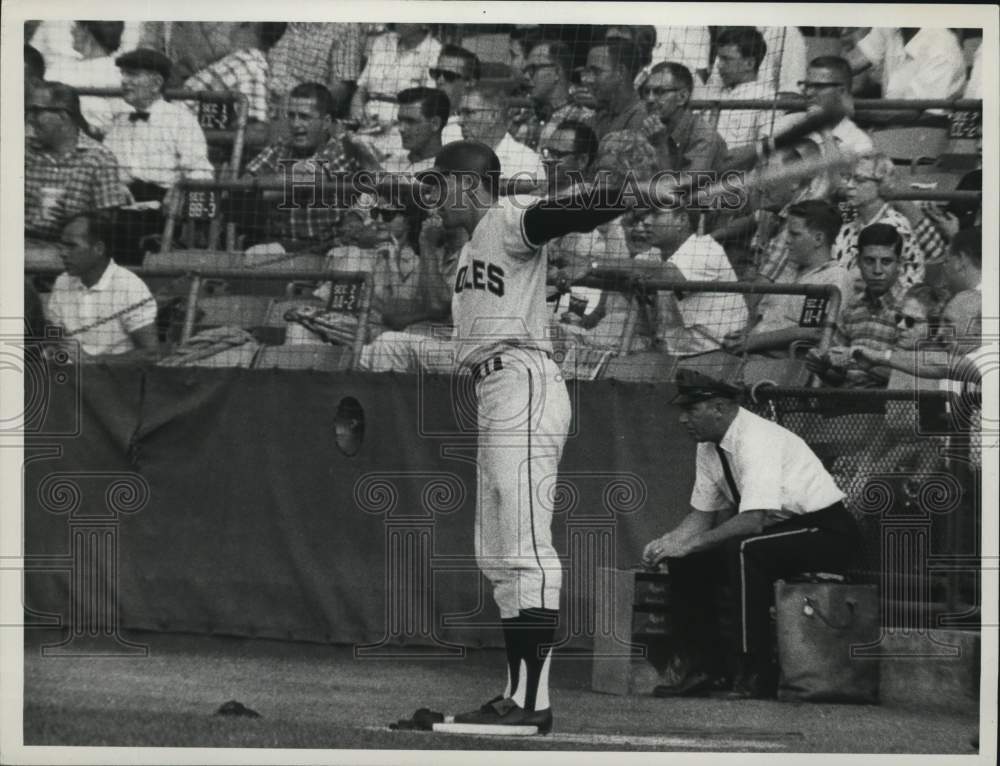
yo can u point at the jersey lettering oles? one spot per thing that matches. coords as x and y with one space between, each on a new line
500 283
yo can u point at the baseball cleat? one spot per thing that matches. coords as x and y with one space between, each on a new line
504 712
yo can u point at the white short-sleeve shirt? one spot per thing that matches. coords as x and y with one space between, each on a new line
773 469
699 321
930 65
75 307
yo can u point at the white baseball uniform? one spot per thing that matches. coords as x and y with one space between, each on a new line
501 322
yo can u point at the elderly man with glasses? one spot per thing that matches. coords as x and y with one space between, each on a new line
684 141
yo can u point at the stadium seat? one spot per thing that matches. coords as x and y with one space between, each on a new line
640 367
911 145
246 311
791 373
717 364
275 316
583 363
327 358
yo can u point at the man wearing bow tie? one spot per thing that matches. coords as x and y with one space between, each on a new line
157 143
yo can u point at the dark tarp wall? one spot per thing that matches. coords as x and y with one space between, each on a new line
231 509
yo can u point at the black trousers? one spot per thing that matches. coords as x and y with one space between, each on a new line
721 598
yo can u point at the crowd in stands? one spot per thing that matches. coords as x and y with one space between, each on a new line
560 107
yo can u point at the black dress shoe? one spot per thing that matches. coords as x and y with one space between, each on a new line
692 685
505 712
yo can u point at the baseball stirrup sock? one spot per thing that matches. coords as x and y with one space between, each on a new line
534 633
513 661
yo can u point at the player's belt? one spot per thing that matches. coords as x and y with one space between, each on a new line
385 97
487 367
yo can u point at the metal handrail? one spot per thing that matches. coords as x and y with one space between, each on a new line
860 104
337 185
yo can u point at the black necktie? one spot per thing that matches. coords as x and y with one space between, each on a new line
728 474
137 116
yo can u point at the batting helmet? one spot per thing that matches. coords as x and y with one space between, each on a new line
461 157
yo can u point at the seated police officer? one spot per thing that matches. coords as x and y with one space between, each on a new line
763 508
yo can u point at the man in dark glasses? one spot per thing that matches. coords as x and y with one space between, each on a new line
549 71
456 71
683 139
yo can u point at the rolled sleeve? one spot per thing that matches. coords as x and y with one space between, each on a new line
108 188
144 313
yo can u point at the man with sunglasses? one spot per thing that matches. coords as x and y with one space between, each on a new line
66 172
684 141
456 71
549 70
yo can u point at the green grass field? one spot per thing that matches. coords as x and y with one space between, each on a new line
312 696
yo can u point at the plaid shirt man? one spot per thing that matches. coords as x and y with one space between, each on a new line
306 222
56 188
870 321
244 71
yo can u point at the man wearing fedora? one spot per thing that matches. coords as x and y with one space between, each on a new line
763 507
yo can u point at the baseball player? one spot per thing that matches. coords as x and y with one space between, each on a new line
762 504
500 317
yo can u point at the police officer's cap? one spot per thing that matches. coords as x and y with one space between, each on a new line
145 59
693 386
464 157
